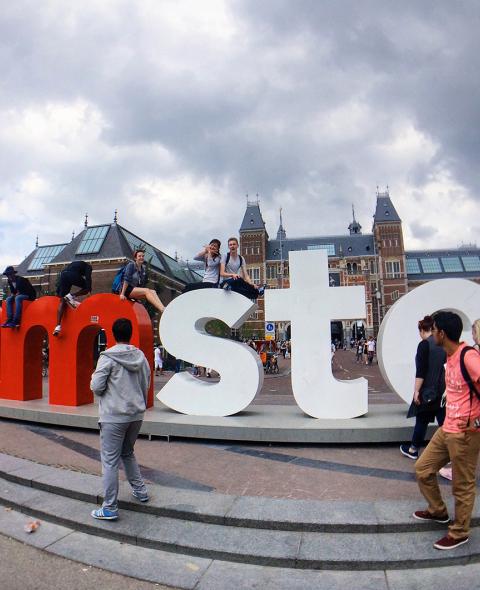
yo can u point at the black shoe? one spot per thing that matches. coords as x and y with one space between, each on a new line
405 450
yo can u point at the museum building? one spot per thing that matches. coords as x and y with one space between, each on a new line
107 248
377 260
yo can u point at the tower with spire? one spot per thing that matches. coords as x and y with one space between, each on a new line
354 228
390 250
253 247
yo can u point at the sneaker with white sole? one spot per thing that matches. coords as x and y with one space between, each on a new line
425 515
71 301
446 473
104 514
448 542
142 496
407 451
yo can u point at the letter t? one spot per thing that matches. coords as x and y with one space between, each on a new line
310 304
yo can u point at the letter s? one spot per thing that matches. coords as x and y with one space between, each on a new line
183 334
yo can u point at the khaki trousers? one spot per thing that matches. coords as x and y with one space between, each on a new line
462 450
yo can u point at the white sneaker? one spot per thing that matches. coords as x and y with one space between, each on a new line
71 301
57 330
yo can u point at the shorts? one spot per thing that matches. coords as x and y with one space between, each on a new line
128 290
68 279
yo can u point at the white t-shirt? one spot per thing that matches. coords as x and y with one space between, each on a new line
371 346
234 264
212 270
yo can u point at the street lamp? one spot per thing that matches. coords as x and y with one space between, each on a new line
378 296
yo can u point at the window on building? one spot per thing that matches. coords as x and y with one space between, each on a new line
330 248
395 295
354 268
430 265
150 254
413 268
471 262
271 271
373 268
452 264
44 255
392 268
255 275
93 240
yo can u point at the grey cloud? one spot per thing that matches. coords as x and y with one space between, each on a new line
248 120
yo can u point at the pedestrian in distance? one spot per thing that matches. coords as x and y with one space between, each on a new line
77 274
121 382
135 280
370 350
428 390
158 361
211 257
458 439
21 289
235 275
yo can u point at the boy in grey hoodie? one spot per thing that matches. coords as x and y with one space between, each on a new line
121 381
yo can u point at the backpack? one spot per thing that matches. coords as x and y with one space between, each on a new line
466 376
118 280
468 379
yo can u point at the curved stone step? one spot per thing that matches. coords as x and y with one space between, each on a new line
187 572
286 549
235 511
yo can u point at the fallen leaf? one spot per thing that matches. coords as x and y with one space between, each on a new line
193 567
31 526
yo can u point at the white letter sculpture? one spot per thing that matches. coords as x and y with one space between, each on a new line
310 304
398 337
183 334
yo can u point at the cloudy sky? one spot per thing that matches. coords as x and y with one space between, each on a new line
171 111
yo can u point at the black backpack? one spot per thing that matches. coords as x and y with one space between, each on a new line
466 376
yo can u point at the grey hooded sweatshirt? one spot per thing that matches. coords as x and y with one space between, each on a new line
121 381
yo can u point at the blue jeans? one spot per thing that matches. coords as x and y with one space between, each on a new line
18 300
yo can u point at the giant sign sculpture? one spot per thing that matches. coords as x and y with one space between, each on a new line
398 337
310 304
71 354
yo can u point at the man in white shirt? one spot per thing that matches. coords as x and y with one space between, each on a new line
235 274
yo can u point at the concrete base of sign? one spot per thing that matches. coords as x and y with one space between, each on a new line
384 423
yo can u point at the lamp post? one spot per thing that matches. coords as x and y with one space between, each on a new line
378 296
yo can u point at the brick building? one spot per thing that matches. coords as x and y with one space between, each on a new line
377 260
106 247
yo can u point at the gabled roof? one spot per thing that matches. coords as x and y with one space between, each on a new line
107 242
339 246
252 219
385 211
114 245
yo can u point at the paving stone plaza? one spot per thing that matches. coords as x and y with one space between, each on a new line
232 514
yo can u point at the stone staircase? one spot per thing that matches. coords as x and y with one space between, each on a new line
203 540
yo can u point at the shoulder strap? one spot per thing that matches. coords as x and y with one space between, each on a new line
465 375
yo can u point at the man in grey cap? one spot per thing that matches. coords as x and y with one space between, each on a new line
21 289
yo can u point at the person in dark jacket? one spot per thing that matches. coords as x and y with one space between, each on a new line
79 274
21 290
135 280
429 388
